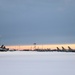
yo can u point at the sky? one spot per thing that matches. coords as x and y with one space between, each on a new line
41 21
41 46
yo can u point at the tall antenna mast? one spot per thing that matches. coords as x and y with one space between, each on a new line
0 39
34 46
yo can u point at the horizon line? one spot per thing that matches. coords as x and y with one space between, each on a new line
40 46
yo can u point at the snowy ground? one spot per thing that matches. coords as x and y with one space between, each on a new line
37 63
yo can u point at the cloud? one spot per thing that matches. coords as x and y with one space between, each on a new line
31 19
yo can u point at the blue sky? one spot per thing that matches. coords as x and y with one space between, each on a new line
40 21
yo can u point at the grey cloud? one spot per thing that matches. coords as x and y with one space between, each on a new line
35 21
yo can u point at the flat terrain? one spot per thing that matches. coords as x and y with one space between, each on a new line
37 63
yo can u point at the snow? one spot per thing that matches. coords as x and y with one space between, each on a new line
37 63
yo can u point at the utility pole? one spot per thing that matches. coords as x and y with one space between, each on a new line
34 46
0 39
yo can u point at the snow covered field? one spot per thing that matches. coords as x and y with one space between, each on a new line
37 63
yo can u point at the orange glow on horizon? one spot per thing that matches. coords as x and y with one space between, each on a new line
50 46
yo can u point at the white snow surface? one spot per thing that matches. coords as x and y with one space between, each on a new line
37 63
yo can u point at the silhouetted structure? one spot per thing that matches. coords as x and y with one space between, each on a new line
69 48
34 46
3 48
57 48
63 49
